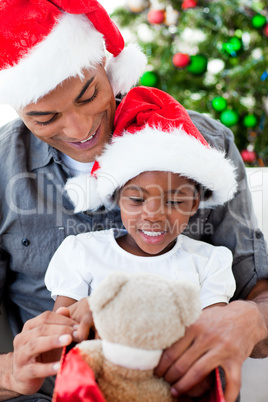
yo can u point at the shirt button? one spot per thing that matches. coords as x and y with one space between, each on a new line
258 234
25 242
98 227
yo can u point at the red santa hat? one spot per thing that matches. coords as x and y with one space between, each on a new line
43 42
153 132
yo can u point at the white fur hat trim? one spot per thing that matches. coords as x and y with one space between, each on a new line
153 150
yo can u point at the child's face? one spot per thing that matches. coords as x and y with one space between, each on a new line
155 209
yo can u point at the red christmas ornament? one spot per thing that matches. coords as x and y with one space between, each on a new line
188 4
248 156
265 30
181 60
156 16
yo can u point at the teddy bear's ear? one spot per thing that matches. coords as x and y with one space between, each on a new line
187 299
107 290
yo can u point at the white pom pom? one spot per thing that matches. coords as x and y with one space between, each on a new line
125 70
82 191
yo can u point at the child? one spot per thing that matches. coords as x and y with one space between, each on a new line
160 170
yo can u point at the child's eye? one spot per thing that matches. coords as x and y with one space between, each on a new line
173 202
136 200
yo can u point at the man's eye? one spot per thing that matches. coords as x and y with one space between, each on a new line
46 123
91 98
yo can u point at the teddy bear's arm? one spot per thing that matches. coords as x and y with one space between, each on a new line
91 352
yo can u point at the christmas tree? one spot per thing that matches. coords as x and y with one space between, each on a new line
212 57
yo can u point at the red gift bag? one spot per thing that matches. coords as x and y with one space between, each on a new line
75 381
217 393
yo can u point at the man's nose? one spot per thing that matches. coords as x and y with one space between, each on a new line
77 126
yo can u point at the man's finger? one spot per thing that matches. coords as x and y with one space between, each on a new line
233 383
173 353
37 346
48 317
195 374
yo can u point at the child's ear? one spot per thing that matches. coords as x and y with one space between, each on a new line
196 202
116 196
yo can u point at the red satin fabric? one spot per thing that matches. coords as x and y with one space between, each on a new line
76 381
144 106
26 23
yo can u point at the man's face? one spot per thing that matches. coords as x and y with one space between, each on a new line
76 117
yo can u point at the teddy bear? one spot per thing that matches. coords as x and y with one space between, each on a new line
137 316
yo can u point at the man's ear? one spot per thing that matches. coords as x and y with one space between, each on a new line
103 61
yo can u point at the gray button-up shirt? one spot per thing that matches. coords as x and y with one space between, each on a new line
36 215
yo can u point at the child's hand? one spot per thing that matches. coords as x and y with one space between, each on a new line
80 312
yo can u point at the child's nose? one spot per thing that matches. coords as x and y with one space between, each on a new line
153 210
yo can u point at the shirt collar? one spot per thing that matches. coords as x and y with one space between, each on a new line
41 153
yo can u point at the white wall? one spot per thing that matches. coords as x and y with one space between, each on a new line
7 113
258 184
255 371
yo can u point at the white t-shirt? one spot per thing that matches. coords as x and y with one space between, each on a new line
83 261
75 167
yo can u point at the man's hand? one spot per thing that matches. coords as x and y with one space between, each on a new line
222 336
35 350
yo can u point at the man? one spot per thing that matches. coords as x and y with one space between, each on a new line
52 71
